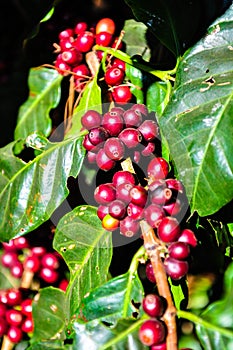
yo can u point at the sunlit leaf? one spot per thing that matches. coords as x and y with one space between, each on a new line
96 336
44 94
135 39
32 191
86 248
49 314
118 298
197 122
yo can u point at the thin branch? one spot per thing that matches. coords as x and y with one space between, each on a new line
152 245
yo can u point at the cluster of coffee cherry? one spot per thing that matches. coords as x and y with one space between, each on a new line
28 262
123 202
119 133
75 43
33 266
16 320
153 331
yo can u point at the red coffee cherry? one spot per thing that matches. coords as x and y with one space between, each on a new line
135 211
129 227
117 209
3 326
97 135
15 334
161 346
176 269
81 72
179 250
138 195
103 161
123 177
154 214
72 56
150 273
14 296
113 122
149 130
131 137
123 192
132 118
188 236
140 108
63 68
153 305
20 243
114 76
91 119
158 168
49 275
105 193
14 317
114 148
118 63
103 39
31 263
26 307
50 260
66 33
168 229
80 27
27 325
102 210
122 94
152 332
84 41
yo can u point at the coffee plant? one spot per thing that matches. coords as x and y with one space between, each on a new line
116 189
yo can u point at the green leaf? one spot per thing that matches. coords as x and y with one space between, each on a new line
135 39
90 99
44 94
220 315
50 345
135 77
197 122
177 24
96 336
86 248
32 191
178 293
7 280
157 96
115 299
49 314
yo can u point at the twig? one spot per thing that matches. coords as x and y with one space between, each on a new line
152 245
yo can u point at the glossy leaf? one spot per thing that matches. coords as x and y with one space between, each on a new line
177 24
49 314
197 122
95 335
220 315
135 77
135 39
118 298
50 345
44 94
86 248
157 96
32 191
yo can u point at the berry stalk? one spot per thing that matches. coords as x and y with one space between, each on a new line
152 246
